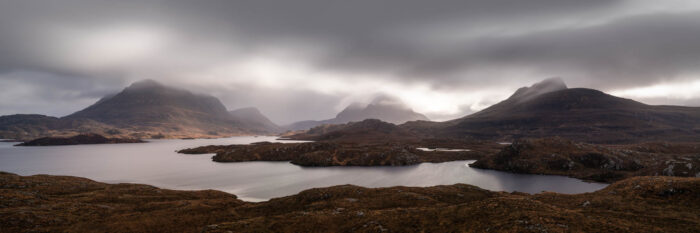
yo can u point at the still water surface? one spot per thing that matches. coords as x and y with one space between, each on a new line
156 163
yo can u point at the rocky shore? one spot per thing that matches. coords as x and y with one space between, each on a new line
337 154
78 140
604 163
58 203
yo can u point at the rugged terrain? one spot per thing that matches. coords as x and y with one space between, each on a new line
78 140
606 163
337 154
56 204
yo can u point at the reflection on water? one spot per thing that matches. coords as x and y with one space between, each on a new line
157 163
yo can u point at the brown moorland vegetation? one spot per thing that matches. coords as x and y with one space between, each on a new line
605 163
338 154
57 203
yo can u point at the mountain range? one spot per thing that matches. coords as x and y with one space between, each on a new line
148 109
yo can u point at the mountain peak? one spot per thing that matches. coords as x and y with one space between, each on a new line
544 86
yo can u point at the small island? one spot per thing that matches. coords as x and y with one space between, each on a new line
337 154
78 140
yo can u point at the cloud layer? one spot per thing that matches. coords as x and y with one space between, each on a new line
307 59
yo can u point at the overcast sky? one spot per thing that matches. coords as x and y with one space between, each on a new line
308 59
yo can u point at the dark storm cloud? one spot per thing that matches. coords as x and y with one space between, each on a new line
448 46
633 51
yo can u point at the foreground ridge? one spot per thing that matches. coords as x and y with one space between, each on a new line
61 203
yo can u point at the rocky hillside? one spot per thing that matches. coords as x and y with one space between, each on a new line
558 156
70 204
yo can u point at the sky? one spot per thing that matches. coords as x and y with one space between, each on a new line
308 59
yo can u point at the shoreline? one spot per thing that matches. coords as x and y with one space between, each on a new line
166 185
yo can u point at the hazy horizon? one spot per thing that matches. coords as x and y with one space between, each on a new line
307 60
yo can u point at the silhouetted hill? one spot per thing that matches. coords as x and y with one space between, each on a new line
577 113
252 118
395 113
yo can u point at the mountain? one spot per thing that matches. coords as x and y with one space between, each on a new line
142 110
369 130
549 108
252 118
152 107
388 111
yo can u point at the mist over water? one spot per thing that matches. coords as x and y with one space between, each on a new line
156 163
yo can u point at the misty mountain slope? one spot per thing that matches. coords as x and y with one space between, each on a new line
252 118
391 112
577 113
369 130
